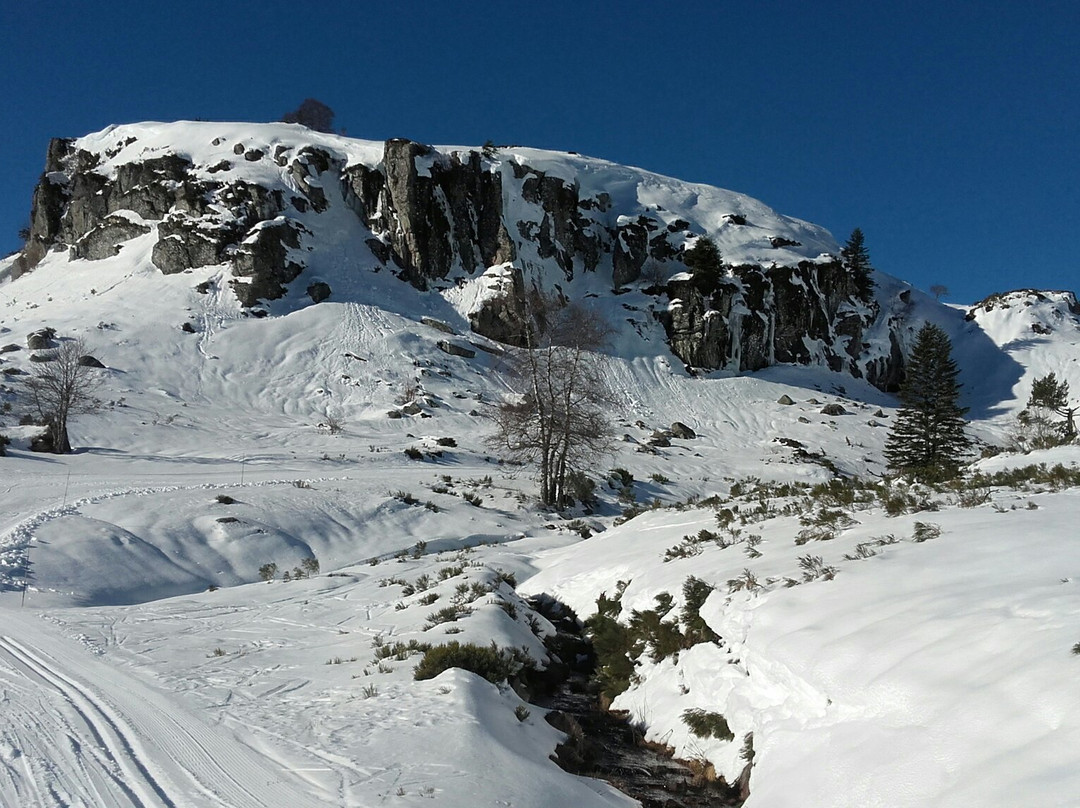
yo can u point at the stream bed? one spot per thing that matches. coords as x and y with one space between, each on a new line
606 745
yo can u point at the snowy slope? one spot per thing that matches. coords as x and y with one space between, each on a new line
150 666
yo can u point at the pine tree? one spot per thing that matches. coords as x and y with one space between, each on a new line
706 264
856 259
928 438
1050 395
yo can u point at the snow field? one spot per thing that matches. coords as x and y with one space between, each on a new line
934 673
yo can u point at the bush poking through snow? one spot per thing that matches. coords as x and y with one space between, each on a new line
706 724
487 661
448 614
814 567
747 751
618 646
746 581
924 531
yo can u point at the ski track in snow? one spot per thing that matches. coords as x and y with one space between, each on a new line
72 743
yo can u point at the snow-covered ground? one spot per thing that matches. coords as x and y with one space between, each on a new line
147 664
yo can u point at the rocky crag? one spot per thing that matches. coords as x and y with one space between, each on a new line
512 220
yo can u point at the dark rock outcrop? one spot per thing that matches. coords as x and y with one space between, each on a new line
446 213
808 314
441 217
104 240
264 262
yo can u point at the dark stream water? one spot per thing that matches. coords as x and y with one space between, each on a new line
608 746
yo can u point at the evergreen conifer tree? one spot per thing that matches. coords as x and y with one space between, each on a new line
704 261
856 259
928 440
1050 395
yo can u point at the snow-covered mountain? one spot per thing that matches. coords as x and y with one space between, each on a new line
149 664
299 217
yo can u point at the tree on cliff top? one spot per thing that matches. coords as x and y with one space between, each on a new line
313 114
706 264
856 259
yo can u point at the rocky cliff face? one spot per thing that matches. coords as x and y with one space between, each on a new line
522 221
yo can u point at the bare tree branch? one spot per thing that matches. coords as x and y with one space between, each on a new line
559 418
62 386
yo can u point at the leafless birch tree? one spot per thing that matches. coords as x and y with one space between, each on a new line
62 387
559 418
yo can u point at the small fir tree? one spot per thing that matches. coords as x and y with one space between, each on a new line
704 261
928 438
1048 395
856 260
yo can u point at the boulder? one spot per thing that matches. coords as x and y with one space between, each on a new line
318 291
88 361
786 400
454 349
41 339
659 439
438 325
833 409
681 431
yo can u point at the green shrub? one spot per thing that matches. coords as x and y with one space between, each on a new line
695 592
448 614
580 488
747 751
613 644
924 531
399 650
705 724
814 567
414 454
483 660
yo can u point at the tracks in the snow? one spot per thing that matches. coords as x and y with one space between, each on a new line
114 741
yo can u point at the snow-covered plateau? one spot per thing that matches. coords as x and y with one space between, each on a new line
914 651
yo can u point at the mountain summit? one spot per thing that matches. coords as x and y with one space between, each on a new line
298 217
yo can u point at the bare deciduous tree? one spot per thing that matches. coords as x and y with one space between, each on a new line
939 290
559 420
61 387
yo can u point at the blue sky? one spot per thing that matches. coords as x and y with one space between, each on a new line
947 131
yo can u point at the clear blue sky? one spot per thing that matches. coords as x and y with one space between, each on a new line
948 131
